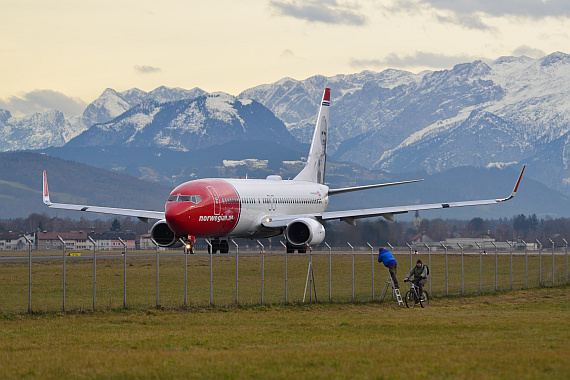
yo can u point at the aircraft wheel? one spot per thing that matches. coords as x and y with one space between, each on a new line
224 246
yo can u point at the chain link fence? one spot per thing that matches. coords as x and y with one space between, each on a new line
87 280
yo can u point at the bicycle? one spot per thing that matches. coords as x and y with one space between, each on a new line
412 296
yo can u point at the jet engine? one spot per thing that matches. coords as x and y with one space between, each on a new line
305 231
164 236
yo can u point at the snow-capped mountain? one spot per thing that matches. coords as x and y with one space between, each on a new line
112 103
296 102
480 113
485 114
184 125
40 130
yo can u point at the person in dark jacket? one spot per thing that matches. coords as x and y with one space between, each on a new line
420 275
386 257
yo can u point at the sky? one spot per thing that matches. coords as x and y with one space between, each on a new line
64 53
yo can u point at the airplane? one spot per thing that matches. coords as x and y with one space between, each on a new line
215 208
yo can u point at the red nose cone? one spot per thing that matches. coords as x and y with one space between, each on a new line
203 208
177 216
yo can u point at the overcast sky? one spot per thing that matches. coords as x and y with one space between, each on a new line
69 51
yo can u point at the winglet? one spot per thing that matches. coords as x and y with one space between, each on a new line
46 191
515 189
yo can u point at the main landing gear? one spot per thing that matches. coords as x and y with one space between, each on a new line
291 248
219 245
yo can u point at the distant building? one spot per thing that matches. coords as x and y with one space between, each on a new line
421 238
49 241
145 243
11 241
417 221
78 240
109 241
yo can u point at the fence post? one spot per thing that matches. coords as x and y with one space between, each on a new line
63 252
460 246
539 262
211 251
495 245
310 275
330 271
410 247
429 265
446 278
552 261
525 265
372 267
262 269
285 249
124 272
185 277
94 267
566 255
237 269
480 269
157 273
352 256
29 273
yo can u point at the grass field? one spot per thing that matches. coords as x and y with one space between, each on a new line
519 334
509 334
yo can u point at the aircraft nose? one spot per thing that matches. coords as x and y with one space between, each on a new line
176 215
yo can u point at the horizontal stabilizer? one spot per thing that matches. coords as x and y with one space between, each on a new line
365 187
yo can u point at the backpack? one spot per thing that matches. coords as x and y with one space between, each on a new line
427 269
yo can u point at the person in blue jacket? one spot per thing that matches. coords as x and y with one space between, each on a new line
386 257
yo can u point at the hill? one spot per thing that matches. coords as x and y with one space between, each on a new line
70 182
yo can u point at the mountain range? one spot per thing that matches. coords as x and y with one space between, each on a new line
482 114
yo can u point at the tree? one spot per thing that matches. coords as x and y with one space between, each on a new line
116 225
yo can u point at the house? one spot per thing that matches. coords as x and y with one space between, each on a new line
79 240
74 240
11 241
109 240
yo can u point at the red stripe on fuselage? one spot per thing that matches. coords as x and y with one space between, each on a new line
215 215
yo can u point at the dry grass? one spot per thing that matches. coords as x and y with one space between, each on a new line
521 334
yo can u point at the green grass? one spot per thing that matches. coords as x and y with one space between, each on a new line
520 334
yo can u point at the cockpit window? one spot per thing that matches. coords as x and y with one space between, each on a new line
185 198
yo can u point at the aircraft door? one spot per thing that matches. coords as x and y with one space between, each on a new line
271 202
216 199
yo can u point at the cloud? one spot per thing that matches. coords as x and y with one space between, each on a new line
287 54
419 59
144 69
329 12
529 52
41 101
470 13
526 8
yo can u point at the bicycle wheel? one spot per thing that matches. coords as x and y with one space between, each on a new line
409 298
424 300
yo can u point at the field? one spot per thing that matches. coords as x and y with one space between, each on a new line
506 334
520 334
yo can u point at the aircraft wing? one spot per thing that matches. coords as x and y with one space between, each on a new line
350 216
141 214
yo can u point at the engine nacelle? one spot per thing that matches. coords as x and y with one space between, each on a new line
305 231
164 236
